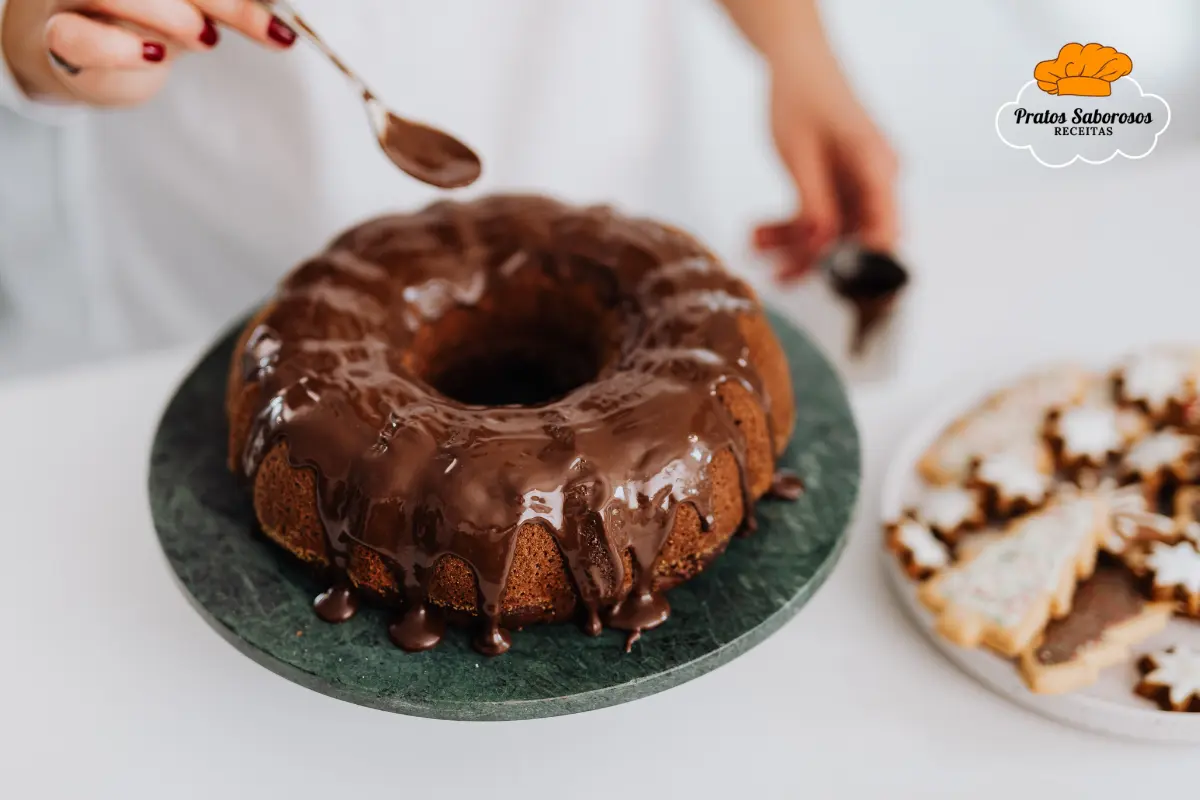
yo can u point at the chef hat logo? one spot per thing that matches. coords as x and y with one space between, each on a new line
1082 70
1083 105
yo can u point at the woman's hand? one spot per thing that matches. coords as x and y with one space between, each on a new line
119 52
843 168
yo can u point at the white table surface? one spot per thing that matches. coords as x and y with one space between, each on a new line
110 685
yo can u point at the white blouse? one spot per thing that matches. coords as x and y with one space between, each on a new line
159 224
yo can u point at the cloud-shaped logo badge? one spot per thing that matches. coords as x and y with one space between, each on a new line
1083 106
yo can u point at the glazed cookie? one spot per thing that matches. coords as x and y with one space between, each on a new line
1005 595
1014 481
1007 418
949 510
1158 380
1091 435
1108 616
1174 570
1161 455
1171 678
920 552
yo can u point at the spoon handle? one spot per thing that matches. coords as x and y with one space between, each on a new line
287 12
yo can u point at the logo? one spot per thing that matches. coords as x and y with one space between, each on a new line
1083 106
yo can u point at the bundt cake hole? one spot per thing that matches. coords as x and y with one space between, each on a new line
517 373
527 343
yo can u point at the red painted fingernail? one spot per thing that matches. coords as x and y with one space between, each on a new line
209 36
772 236
153 51
281 33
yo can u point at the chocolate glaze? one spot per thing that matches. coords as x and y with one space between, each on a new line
785 485
413 475
1108 597
871 285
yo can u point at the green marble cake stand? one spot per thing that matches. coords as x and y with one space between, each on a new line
260 600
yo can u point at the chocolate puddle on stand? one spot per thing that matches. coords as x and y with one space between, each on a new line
785 485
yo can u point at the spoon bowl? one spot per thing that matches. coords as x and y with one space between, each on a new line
426 153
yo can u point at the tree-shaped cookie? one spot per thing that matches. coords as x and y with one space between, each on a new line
1005 595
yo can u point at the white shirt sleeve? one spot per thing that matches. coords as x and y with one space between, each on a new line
13 98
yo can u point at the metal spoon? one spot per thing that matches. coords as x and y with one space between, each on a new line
426 153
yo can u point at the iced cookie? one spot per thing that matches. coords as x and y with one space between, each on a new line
1130 520
1005 595
949 510
1159 380
1132 530
1009 418
1171 678
1190 418
1174 570
920 552
1161 455
1014 481
1187 512
1091 435
1108 616
973 542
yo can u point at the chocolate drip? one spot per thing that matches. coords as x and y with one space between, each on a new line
786 485
642 609
418 628
349 366
491 639
336 604
592 626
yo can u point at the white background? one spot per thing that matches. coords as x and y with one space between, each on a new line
111 686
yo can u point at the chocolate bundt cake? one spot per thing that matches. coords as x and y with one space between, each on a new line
508 411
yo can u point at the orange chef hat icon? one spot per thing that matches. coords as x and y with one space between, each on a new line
1086 70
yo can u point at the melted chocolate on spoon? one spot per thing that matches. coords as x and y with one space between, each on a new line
426 153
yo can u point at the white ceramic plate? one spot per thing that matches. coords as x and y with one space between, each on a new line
1108 706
